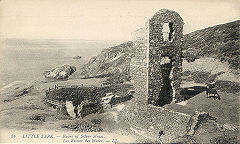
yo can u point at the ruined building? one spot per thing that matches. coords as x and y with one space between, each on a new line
157 65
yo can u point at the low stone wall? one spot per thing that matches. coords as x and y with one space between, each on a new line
81 101
153 119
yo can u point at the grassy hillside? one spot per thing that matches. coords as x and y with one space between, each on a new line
220 41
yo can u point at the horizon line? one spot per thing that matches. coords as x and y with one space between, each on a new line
110 39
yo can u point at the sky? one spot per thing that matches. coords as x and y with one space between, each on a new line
104 19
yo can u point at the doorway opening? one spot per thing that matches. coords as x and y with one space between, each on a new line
166 92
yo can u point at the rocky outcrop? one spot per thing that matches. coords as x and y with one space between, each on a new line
70 109
77 57
113 60
60 73
112 99
107 100
88 107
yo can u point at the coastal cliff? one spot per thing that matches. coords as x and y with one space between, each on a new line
220 41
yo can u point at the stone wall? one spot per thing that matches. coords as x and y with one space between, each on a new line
157 65
139 65
163 87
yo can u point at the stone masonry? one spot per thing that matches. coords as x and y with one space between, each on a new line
157 65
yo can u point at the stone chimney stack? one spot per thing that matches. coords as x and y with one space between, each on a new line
157 66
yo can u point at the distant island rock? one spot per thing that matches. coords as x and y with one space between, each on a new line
60 73
77 57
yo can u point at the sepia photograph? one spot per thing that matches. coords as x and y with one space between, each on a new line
120 71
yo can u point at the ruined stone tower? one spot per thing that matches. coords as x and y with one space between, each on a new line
157 65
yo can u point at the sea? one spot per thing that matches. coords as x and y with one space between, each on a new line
27 59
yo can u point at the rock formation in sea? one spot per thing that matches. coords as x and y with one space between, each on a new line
60 73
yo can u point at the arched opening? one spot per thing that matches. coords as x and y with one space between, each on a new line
168 31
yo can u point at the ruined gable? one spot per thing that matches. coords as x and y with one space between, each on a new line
157 65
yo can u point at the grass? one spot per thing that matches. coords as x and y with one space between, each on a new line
228 86
207 77
225 138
